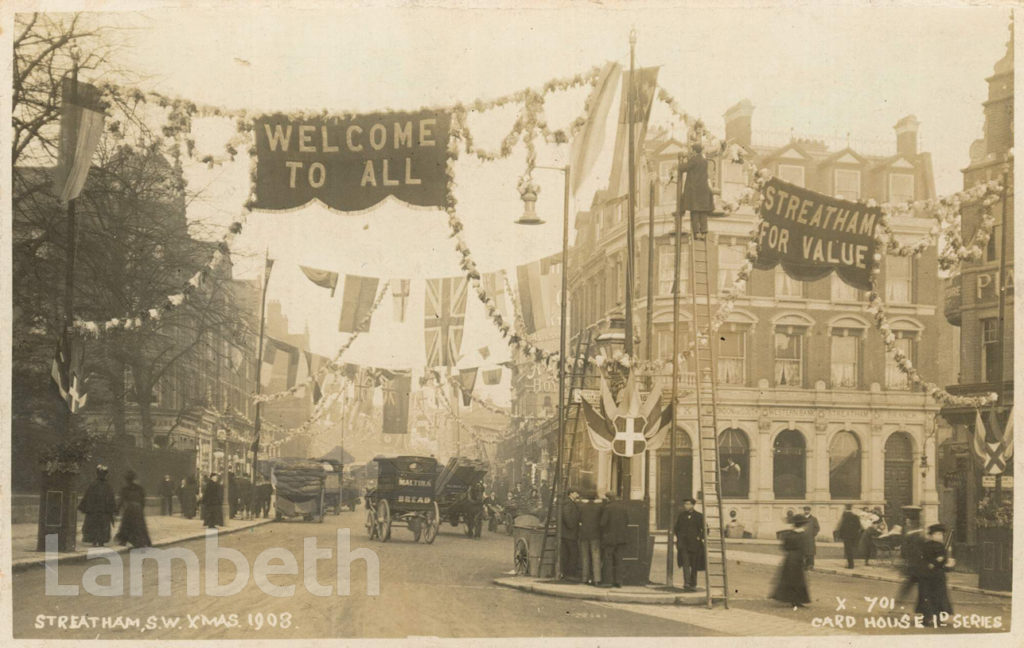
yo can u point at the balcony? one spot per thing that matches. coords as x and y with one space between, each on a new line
953 302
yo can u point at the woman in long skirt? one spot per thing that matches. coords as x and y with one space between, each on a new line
213 499
932 591
187 496
99 506
791 587
133 516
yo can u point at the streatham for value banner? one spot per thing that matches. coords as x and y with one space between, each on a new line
352 163
812 234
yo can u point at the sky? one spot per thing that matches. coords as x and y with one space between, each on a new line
832 73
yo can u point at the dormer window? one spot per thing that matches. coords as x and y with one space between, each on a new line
792 173
847 182
901 187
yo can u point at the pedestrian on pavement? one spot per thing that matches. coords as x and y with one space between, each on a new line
187 496
849 531
264 491
614 524
932 591
232 495
571 535
689 532
872 525
813 528
133 529
213 499
167 496
791 587
913 562
590 540
98 505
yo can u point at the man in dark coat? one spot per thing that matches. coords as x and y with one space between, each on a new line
849 531
697 195
813 529
571 535
187 496
98 505
167 496
932 592
614 523
590 541
213 498
689 532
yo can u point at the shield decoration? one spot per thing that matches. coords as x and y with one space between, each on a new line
629 436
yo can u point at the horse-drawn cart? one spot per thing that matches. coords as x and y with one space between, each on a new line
404 495
460 494
300 489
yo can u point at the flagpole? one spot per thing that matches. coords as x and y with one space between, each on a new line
259 364
649 332
1001 326
72 234
624 463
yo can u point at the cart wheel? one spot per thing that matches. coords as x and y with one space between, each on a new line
433 522
371 524
521 558
383 521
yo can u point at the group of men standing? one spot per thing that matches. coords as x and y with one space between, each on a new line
246 499
593 539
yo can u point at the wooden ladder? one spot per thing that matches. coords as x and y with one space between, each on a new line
707 426
573 414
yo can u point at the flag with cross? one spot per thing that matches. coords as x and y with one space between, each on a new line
66 370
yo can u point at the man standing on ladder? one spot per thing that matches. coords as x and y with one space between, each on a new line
697 194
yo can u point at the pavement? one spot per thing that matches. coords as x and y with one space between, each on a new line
163 530
638 594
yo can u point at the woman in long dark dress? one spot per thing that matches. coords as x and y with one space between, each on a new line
187 497
932 592
213 499
133 516
791 587
98 505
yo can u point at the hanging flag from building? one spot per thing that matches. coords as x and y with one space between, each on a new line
81 125
540 286
351 162
587 145
494 286
66 370
467 381
356 302
400 293
322 278
280 360
628 427
811 235
492 376
396 386
995 457
644 89
445 311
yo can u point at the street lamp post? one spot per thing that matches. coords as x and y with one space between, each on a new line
528 219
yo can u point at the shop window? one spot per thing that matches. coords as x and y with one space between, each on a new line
844 466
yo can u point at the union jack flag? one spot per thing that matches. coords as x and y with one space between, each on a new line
445 311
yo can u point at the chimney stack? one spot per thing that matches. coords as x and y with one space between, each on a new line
737 122
906 136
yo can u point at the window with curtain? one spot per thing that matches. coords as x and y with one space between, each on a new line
848 184
730 260
842 291
844 466
732 356
845 358
790 465
789 356
666 265
894 378
786 286
734 462
899 279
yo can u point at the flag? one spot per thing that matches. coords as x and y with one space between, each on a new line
995 457
643 98
322 278
493 376
540 285
445 311
356 302
67 372
400 293
467 380
396 386
271 370
81 125
494 286
587 145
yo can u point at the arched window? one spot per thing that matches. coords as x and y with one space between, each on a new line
790 469
734 461
844 466
899 476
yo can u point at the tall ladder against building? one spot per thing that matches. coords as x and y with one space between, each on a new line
707 427
573 413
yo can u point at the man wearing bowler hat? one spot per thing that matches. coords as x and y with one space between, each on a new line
689 530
